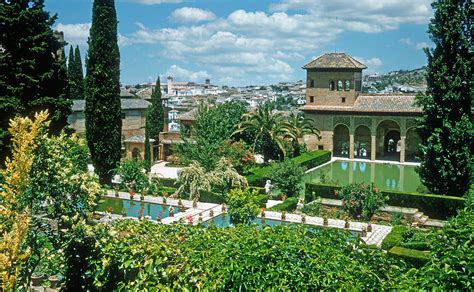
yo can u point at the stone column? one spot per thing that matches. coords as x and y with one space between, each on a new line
402 150
373 148
351 146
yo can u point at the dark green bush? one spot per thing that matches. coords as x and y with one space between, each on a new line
167 182
288 205
435 206
262 199
287 176
415 257
395 237
312 208
210 197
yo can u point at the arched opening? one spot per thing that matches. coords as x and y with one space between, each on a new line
136 153
362 141
331 85
412 142
388 144
341 141
339 85
347 85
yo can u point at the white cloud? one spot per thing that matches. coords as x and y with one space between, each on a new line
192 15
187 75
406 41
421 45
75 34
372 64
154 2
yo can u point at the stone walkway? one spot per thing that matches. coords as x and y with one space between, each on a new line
163 171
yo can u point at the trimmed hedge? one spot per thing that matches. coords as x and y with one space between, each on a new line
395 237
412 256
210 197
435 206
288 205
167 182
308 160
418 245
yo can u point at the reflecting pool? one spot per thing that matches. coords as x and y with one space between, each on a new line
133 208
386 176
224 221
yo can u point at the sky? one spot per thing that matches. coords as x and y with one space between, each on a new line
252 42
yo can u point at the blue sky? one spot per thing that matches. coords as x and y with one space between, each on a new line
246 42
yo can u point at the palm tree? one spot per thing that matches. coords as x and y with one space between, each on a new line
296 126
267 126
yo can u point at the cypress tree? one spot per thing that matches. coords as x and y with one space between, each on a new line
102 91
30 67
446 127
79 74
70 65
155 113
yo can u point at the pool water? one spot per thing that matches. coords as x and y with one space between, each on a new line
224 221
132 208
386 176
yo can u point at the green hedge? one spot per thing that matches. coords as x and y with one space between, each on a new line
308 160
210 197
288 205
167 182
412 256
435 206
395 237
418 245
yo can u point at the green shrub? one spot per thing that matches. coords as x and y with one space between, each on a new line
132 175
288 205
244 206
307 160
262 199
418 245
167 182
395 237
210 197
287 176
312 208
415 257
361 200
435 206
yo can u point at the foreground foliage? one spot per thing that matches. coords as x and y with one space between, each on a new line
360 199
142 255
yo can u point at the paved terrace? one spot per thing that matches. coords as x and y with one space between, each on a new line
203 211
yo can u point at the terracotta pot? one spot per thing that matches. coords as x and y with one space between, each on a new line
37 279
54 280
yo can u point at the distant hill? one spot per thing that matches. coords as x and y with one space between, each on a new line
397 81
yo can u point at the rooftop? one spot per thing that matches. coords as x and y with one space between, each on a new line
127 103
334 61
373 104
189 115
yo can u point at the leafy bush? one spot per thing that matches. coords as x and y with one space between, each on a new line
415 257
132 175
287 176
142 255
418 245
243 205
312 208
308 160
361 200
395 237
288 205
435 206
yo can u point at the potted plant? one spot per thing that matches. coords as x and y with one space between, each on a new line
200 218
53 280
142 195
171 211
364 231
164 200
211 213
346 222
283 216
132 194
303 218
116 190
37 279
325 221
369 227
263 212
195 204
158 219
223 208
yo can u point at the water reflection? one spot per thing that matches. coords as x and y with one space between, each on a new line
385 176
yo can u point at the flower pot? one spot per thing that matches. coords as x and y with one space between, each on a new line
54 280
37 279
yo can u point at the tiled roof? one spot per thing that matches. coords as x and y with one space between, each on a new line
335 60
373 104
189 115
79 105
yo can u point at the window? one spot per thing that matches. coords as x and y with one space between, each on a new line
320 147
343 100
348 85
311 99
331 85
311 83
358 85
339 85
